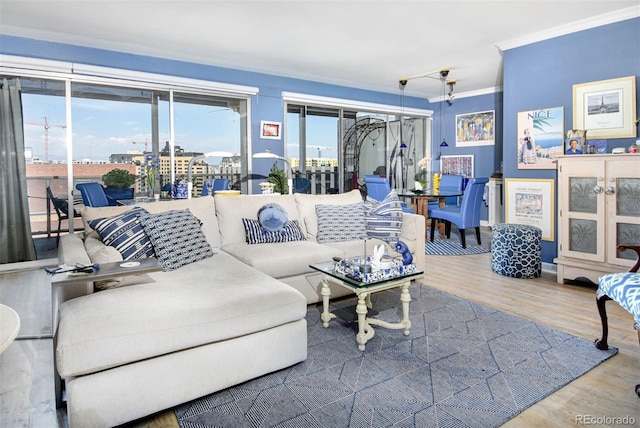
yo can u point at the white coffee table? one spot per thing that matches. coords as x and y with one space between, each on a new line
363 291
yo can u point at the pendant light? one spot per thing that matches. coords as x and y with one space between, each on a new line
403 146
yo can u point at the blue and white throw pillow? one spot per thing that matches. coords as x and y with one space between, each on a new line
340 222
384 219
257 234
125 233
177 238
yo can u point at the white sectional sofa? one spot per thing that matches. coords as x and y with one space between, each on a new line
153 341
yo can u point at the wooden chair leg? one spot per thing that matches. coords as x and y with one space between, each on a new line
463 238
602 310
447 229
478 235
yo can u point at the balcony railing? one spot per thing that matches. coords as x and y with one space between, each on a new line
44 220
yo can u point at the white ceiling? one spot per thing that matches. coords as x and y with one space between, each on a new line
356 43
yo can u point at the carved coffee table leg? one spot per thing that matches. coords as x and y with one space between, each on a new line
326 315
365 331
405 298
602 342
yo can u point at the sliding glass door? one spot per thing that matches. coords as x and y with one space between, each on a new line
78 131
335 147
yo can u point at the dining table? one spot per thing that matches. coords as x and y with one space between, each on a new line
420 203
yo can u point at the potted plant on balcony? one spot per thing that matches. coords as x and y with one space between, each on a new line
118 184
278 177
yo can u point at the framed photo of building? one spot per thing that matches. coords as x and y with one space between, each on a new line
540 138
607 108
475 129
270 130
531 201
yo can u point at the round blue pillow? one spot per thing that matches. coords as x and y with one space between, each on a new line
272 217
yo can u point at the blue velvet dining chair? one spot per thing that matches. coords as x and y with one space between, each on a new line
378 188
217 184
464 216
448 183
93 194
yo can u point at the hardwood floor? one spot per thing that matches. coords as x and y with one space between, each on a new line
605 391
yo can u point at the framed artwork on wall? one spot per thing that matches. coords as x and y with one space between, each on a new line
457 165
540 138
475 129
607 108
270 130
531 201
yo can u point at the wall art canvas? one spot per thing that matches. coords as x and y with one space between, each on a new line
540 138
475 129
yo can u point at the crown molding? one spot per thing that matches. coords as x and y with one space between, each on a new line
298 98
572 27
36 67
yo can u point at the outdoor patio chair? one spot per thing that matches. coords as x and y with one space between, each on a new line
62 210
93 194
216 184
301 185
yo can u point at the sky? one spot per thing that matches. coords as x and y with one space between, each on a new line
101 127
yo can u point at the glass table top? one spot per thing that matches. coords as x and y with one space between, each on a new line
348 271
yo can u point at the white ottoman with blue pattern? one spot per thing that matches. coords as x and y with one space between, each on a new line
516 250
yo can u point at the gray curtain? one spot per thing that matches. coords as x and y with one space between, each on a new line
16 244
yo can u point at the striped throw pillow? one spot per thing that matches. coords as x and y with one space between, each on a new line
384 219
125 233
256 234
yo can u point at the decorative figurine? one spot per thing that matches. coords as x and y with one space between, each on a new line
402 248
376 258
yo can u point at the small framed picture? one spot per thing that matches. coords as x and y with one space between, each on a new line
573 146
270 130
574 143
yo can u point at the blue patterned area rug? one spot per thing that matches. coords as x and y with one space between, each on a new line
463 365
451 247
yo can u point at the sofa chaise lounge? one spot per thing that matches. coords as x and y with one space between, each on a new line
150 342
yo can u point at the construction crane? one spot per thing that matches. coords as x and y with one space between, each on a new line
320 148
146 143
46 134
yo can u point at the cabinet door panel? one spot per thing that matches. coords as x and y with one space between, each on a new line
623 208
582 209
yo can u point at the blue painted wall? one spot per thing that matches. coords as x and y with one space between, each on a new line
538 75
487 159
542 75
267 105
